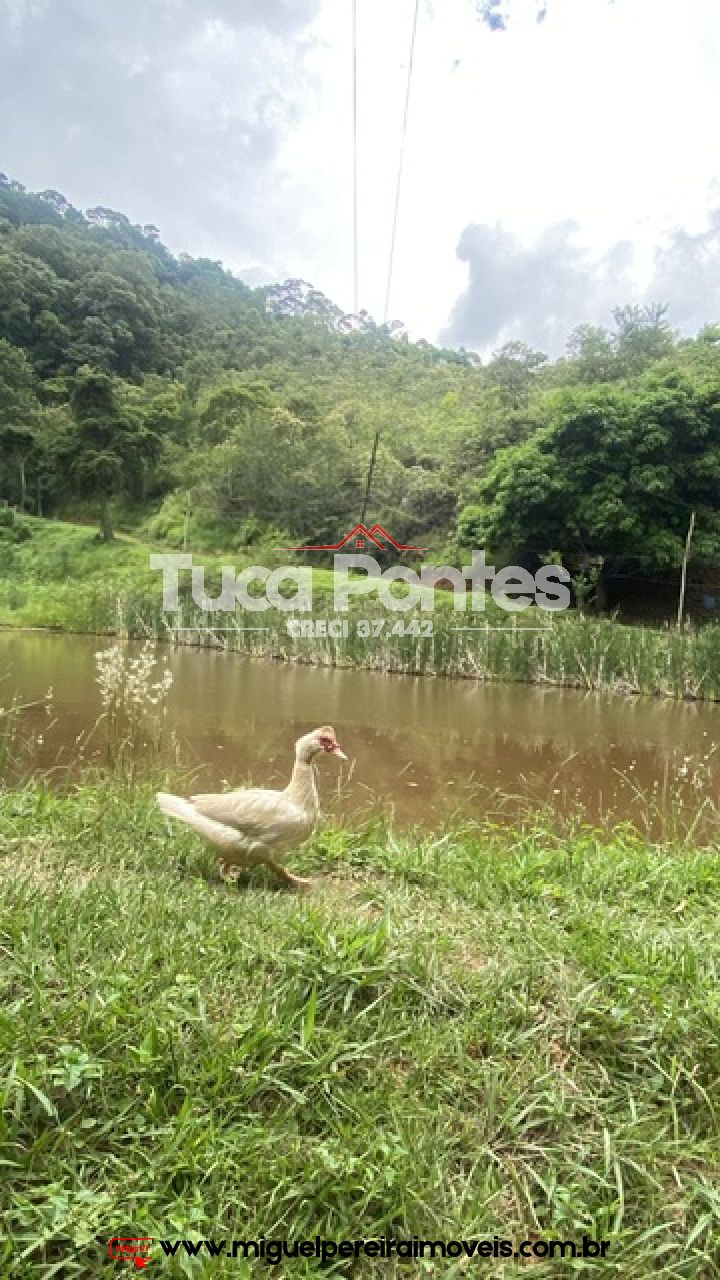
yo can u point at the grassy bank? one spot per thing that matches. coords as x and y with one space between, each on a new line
59 575
486 1033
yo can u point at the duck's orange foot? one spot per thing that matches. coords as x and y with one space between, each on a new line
297 882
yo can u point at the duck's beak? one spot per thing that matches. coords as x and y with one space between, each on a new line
336 751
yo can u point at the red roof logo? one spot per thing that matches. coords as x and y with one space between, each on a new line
359 536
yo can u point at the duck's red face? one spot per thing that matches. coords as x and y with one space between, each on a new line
329 743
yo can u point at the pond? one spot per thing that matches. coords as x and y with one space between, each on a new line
427 750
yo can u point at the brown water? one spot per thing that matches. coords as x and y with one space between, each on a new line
426 749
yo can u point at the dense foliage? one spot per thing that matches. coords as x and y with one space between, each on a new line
164 389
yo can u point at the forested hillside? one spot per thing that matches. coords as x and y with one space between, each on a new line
141 388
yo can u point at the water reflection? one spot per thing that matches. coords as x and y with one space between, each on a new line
427 749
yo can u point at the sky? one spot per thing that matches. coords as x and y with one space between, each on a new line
554 169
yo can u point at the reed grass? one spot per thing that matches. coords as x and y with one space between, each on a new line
574 651
63 578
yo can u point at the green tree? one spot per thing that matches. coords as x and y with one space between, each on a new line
109 445
615 472
592 356
642 336
118 325
513 372
28 289
228 405
18 420
276 468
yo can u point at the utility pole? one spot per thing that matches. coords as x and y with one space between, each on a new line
683 572
368 482
186 527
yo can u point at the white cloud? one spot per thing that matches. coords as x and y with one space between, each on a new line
228 123
603 116
538 293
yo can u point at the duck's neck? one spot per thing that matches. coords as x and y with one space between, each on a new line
301 787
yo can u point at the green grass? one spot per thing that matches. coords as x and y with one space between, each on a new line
60 575
63 575
488 1032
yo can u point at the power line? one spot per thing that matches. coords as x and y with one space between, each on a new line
356 271
401 160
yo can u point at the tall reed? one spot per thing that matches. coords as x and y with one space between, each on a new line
568 649
575 651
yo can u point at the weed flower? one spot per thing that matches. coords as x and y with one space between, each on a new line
127 683
132 696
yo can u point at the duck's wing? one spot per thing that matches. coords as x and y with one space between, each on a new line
266 816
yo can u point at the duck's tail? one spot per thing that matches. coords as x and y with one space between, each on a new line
223 837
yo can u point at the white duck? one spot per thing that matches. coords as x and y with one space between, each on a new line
253 825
